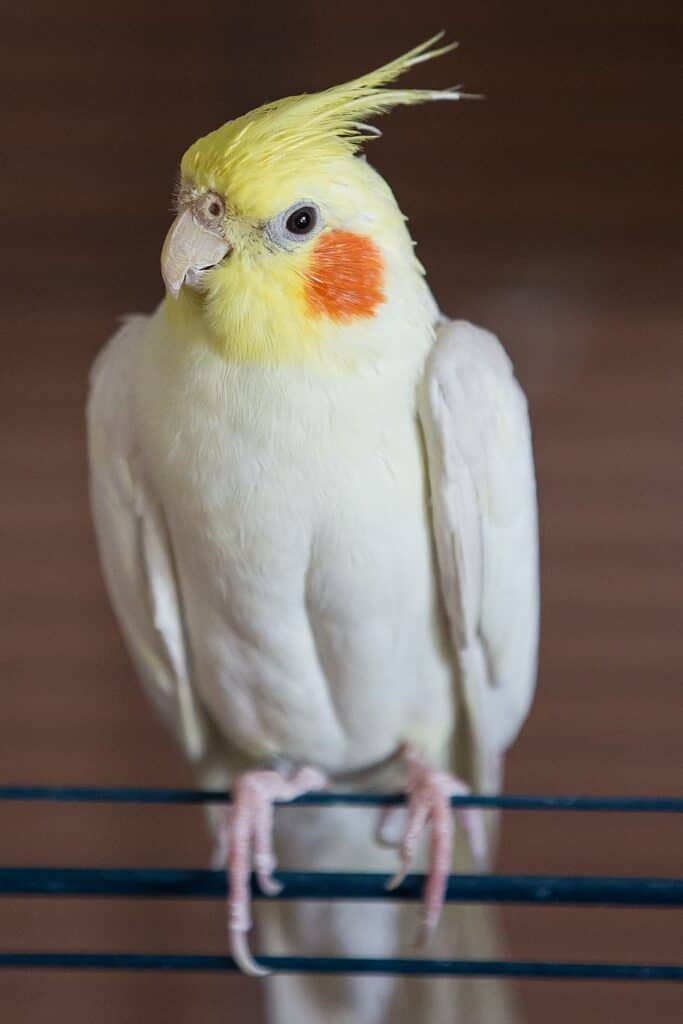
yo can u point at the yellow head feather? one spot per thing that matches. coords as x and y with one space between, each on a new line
249 158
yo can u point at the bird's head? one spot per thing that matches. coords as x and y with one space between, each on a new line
284 240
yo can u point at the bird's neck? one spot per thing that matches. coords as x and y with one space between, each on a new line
268 330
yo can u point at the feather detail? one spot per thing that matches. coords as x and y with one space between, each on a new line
483 501
135 553
312 128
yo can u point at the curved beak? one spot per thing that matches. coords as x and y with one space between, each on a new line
188 249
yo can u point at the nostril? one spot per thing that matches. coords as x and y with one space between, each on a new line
210 208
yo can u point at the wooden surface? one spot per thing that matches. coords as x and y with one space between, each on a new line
551 214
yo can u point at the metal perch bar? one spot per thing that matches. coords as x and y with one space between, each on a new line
299 885
174 883
354 965
146 795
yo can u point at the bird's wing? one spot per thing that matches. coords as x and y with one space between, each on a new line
133 543
483 504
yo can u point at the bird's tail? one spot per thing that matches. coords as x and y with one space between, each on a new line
343 839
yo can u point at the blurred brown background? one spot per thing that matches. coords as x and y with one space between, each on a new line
551 214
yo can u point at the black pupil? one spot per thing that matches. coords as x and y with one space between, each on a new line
301 221
214 209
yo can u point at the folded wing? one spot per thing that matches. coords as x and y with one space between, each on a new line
483 501
135 553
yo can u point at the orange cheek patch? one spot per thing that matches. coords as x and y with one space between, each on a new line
345 276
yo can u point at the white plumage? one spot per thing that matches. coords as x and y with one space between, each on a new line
476 426
314 502
321 568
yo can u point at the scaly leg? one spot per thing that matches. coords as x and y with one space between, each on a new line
247 839
429 792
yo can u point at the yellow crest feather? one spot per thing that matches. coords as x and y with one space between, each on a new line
289 136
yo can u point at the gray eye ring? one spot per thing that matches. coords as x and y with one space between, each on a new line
283 230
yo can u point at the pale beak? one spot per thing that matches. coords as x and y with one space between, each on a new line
188 249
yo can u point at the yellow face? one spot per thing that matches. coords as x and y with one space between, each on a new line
269 281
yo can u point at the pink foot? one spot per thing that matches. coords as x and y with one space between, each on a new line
247 839
429 792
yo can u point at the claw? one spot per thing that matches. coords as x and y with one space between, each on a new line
429 792
424 935
418 813
241 954
219 854
473 821
247 837
390 827
263 869
397 879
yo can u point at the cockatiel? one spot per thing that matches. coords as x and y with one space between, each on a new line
315 507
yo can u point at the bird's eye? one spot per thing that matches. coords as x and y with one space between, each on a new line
298 224
302 220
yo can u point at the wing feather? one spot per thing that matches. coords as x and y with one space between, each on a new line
133 543
483 499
